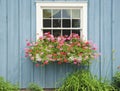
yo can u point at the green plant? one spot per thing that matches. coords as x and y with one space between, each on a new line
83 80
7 86
116 80
34 87
63 49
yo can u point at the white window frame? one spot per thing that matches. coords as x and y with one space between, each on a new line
41 5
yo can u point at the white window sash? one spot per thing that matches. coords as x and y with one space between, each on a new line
60 5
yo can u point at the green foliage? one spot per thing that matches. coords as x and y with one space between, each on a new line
7 86
84 81
34 87
116 81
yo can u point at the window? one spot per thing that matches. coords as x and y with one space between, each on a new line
61 18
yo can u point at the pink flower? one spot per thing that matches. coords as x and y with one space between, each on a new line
61 43
50 56
86 57
90 42
52 37
95 47
32 58
26 55
96 55
36 43
75 35
75 62
37 65
26 50
61 49
48 39
30 55
28 44
59 62
46 62
78 44
58 39
41 37
69 38
41 53
33 43
79 61
87 43
52 59
61 39
50 46
47 33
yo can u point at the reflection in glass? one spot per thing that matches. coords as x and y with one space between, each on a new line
76 31
66 23
46 13
75 23
66 13
66 32
76 13
47 23
56 22
56 13
56 33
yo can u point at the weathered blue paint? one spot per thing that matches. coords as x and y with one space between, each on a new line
25 33
94 30
106 47
12 50
115 34
3 38
18 23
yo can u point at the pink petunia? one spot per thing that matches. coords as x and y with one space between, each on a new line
78 44
26 55
69 38
75 62
96 55
26 50
47 33
59 62
46 62
37 65
32 58
90 42
41 37
28 44
87 43
95 47
30 55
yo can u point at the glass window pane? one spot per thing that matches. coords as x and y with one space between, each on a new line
56 22
46 31
76 31
66 13
76 13
56 33
66 32
47 13
47 23
66 23
57 13
75 22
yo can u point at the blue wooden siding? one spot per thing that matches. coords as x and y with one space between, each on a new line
18 23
